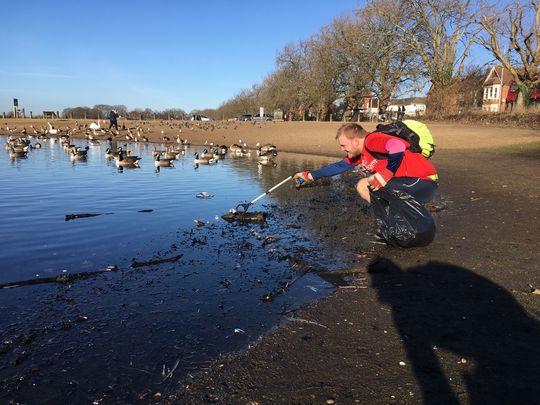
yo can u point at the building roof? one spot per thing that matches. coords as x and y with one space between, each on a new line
498 75
408 101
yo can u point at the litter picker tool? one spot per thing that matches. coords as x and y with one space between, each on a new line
246 206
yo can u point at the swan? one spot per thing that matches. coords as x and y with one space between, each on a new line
52 130
93 126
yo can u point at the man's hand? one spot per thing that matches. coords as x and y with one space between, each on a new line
301 179
378 180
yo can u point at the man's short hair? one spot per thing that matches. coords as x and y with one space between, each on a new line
351 130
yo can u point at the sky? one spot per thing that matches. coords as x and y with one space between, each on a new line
147 54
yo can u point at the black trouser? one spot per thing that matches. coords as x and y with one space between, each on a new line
422 190
114 124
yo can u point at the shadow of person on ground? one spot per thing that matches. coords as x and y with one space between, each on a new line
439 307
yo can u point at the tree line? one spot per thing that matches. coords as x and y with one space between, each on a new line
388 50
102 111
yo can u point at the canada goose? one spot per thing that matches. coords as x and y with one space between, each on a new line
14 154
159 162
266 147
203 161
220 151
18 148
126 161
77 153
266 158
205 154
109 154
235 148
170 153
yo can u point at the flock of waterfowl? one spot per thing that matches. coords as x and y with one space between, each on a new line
20 142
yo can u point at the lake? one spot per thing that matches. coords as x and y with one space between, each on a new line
204 287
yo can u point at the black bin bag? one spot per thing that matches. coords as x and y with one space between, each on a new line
401 220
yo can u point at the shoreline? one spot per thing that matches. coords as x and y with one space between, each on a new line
308 137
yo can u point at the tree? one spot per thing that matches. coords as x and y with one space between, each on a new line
442 34
376 59
517 29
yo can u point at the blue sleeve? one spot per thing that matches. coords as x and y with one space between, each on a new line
332 169
394 160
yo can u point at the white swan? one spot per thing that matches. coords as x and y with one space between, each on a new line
93 126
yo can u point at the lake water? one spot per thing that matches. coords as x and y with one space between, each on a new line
122 336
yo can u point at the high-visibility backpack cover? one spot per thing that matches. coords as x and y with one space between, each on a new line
416 133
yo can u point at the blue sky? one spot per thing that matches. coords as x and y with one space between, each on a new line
160 54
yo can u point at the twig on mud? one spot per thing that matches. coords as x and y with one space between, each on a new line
152 262
308 321
170 373
63 278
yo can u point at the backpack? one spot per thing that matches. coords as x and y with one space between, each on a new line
414 132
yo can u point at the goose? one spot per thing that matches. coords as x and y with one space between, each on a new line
78 153
172 154
222 150
109 154
126 161
18 148
203 161
266 158
205 154
13 154
266 147
159 162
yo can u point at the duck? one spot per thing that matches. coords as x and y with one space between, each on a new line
159 162
203 161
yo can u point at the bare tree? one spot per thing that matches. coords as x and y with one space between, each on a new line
375 44
442 34
517 29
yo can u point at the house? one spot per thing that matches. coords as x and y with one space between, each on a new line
50 114
414 107
499 90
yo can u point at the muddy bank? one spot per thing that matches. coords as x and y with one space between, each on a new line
455 322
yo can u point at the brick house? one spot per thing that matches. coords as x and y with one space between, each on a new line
500 91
